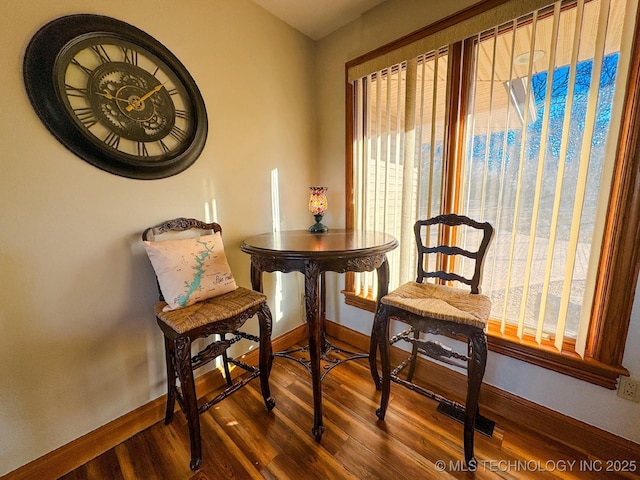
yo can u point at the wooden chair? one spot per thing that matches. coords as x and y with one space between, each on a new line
440 309
221 316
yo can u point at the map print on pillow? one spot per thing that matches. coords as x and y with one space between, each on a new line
194 285
190 270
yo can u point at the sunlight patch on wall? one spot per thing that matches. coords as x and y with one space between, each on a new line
211 211
275 225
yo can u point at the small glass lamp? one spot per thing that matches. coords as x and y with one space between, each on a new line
317 206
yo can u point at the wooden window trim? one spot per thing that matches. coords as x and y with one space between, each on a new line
619 262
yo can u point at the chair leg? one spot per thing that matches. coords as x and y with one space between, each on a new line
373 348
265 355
225 364
187 385
169 352
475 372
382 324
414 356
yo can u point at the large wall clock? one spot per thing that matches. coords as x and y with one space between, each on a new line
115 96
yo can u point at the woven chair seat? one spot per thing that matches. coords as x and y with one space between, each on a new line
441 302
211 310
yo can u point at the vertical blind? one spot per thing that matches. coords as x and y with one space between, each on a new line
537 100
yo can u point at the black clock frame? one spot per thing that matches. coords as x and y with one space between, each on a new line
41 80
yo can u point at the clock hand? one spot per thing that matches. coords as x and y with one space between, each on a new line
137 103
108 96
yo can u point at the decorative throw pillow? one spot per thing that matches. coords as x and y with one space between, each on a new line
191 269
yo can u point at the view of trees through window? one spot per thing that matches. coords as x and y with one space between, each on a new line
505 147
534 165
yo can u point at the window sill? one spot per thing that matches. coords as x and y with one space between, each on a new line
545 356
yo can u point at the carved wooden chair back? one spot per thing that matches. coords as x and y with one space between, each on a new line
442 244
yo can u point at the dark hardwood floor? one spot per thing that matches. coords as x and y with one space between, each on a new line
241 440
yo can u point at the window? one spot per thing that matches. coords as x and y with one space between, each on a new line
523 124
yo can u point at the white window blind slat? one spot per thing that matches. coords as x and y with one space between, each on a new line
518 196
434 125
585 155
617 105
405 183
562 160
544 136
503 164
534 213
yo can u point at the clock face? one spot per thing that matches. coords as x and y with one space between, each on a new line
125 98
115 96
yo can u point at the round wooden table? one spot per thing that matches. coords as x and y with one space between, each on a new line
313 254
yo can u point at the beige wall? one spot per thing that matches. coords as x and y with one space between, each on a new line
78 342
393 19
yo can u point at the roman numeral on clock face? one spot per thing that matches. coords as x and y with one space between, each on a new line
75 91
86 70
142 150
179 134
130 56
112 139
102 54
86 116
163 146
